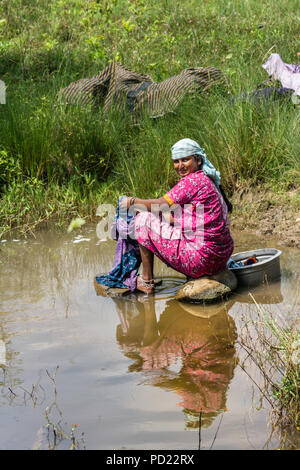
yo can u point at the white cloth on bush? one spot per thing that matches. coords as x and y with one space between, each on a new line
287 74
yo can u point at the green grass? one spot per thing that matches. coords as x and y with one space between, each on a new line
56 161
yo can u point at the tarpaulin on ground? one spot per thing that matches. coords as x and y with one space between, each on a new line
118 85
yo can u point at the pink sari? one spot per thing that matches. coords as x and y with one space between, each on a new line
199 242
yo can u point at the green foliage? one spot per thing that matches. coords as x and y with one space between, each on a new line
9 168
287 390
272 344
46 45
56 142
164 36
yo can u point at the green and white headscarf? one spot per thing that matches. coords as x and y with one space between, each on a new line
187 147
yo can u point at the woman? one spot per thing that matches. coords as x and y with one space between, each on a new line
207 251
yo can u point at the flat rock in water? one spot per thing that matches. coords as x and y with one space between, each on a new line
106 291
208 289
226 277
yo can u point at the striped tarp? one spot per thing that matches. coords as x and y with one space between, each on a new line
121 87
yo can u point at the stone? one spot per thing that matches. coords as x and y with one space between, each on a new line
202 291
208 289
206 311
226 277
106 291
203 310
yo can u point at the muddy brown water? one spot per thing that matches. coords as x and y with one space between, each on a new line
132 373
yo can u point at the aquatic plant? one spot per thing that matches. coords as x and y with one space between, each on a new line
55 433
271 344
55 430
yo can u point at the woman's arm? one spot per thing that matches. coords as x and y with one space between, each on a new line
143 204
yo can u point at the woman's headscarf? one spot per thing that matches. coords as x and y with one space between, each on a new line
186 147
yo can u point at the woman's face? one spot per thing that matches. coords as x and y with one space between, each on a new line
185 166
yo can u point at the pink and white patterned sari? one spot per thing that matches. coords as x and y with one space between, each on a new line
199 241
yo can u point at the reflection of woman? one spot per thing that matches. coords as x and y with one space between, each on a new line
201 349
199 186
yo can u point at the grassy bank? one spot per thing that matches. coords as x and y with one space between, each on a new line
58 162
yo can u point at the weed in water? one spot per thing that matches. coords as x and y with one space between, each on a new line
272 346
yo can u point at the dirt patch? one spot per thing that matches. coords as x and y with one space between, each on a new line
268 214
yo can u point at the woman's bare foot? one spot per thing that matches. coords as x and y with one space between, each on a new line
145 286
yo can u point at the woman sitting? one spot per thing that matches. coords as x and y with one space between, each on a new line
197 240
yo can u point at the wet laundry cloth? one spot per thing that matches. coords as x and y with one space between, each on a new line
127 259
231 263
263 95
120 87
287 74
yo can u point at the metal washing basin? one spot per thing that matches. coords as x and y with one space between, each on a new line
266 269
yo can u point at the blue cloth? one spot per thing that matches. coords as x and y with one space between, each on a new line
186 147
209 170
127 259
233 264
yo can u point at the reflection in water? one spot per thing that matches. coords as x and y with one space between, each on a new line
10 364
192 356
50 315
264 294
